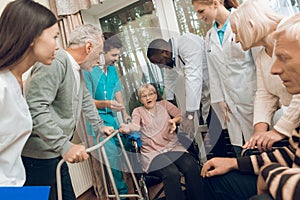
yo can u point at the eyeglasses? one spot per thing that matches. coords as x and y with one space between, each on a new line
150 95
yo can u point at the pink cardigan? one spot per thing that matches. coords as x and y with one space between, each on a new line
154 127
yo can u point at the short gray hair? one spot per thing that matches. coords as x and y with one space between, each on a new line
83 34
291 28
144 87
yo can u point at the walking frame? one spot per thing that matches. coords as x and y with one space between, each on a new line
101 151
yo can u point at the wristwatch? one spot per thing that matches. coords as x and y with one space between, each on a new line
190 117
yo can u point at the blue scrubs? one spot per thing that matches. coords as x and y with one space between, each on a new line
103 87
221 31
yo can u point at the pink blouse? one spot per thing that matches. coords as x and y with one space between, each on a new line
154 127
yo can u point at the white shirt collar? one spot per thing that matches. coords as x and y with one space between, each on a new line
75 65
76 68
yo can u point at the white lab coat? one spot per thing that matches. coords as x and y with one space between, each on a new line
232 75
190 74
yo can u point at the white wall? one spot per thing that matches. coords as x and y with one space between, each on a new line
5 2
90 19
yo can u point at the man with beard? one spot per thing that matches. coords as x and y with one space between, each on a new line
184 56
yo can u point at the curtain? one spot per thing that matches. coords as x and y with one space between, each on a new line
66 24
70 7
69 15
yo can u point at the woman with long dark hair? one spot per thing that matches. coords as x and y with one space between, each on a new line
28 33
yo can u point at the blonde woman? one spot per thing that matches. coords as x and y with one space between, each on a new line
231 70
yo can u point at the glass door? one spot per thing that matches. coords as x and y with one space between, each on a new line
136 25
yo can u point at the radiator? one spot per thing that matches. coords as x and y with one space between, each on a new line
81 177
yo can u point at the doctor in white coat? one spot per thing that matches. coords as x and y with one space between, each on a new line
187 76
232 72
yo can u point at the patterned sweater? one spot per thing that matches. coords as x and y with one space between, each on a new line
281 169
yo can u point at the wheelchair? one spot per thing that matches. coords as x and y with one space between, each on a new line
108 179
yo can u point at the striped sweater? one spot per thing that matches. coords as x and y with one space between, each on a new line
281 169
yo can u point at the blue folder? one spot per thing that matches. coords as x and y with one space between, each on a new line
25 193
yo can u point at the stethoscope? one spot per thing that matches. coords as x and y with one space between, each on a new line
209 43
104 84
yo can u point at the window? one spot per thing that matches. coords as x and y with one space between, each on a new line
136 25
188 20
285 7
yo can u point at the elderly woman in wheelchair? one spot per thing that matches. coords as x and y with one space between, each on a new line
162 154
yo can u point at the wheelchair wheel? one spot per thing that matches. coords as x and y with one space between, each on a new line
143 188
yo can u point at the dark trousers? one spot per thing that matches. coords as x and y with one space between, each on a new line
168 166
42 172
230 186
262 197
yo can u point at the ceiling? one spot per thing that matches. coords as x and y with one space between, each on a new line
107 7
